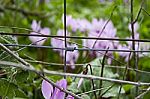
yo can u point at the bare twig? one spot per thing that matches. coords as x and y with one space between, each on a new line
102 70
92 80
133 43
76 37
30 67
139 12
141 95
106 90
107 66
105 25
73 75
91 91
125 73
81 49
145 11
65 34
14 55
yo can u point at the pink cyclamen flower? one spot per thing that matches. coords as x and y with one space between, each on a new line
59 43
70 22
124 54
80 82
83 25
69 97
102 1
77 24
129 43
72 57
53 93
37 30
136 27
97 30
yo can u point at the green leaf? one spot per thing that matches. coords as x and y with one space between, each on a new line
5 30
22 76
20 93
73 87
127 87
10 90
146 96
7 39
85 96
7 89
87 85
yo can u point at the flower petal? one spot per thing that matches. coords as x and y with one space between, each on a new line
70 97
45 31
35 26
57 93
80 82
47 89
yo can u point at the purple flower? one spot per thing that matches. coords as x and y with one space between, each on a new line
124 54
136 36
50 93
96 31
83 25
59 43
129 43
72 57
102 1
36 27
77 24
126 1
136 27
70 22
47 89
69 97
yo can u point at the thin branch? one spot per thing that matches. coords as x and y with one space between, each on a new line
139 12
27 66
14 55
107 89
141 95
92 80
72 75
65 34
76 37
145 11
102 70
107 66
79 49
124 75
90 91
105 25
133 44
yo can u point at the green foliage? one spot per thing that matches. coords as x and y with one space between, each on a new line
22 77
8 39
87 85
10 90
